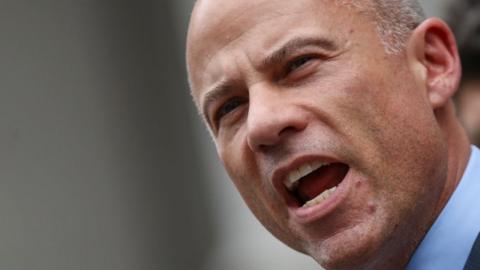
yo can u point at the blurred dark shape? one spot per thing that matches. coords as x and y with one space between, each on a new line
464 18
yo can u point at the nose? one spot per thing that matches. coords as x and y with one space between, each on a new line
272 117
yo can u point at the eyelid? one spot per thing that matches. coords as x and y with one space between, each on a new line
288 74
308 51
215 119
220 92
290 64
217 114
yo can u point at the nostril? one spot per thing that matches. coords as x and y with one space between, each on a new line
289 130
262 147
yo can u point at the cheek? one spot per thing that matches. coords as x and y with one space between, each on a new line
393 135
243 171
260 198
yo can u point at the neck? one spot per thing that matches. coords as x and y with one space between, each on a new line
458 149
458 153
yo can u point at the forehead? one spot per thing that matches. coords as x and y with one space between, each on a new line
219 28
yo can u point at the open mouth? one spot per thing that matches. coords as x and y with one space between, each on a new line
315 182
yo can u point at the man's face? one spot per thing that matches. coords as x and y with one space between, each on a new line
331 142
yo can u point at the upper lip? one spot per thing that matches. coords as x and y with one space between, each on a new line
281 173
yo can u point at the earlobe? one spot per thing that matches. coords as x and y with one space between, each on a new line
433 50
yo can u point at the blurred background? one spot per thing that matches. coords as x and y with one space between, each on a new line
104 163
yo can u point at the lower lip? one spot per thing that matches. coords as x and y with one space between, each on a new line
305 215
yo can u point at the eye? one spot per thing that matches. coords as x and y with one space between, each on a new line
297 63
228 107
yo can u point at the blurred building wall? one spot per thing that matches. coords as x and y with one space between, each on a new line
98 165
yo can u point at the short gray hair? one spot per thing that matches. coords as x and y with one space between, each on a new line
395 20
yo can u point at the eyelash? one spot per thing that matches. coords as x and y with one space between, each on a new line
297 63
228 107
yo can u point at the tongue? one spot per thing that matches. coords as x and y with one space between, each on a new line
320 180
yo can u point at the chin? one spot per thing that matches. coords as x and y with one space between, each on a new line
345 258
355 248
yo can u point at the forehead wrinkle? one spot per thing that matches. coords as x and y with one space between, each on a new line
233 38
242 30
224 27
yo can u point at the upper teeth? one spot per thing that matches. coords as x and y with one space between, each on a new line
300 172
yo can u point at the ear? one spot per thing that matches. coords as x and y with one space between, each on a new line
432 52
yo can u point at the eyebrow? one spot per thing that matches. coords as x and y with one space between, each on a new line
216 93
294 44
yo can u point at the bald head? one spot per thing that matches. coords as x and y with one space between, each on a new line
395 19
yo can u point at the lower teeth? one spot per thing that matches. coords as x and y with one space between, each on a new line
320 198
